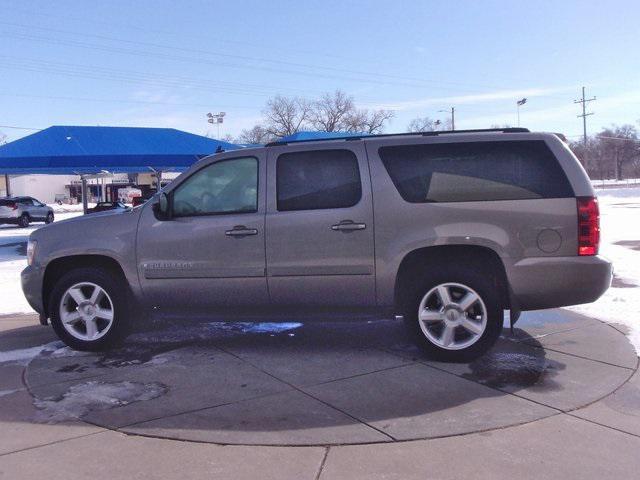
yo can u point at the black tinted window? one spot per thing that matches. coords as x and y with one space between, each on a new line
465 172
318 179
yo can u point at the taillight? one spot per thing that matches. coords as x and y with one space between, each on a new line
13 206
588 226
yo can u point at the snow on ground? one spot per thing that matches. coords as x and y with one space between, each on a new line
25 355
64 208
13 259
620 232
90 396
620 222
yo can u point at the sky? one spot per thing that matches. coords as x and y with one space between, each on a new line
167 64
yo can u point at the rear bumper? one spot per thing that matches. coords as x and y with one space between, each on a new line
550 282
31 279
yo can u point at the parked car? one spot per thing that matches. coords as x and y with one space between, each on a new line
104 206
22 211
137 201
445 229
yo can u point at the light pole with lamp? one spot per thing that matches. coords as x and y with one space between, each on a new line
216 118
519 103
453 116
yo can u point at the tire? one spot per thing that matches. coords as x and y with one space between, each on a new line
82 333
23 222
49 218
464 345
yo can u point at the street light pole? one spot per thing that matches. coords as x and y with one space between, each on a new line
519 103
216 118
453 116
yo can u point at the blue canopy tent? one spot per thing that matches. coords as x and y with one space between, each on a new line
308 135
93 150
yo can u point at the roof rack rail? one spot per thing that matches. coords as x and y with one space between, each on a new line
414 134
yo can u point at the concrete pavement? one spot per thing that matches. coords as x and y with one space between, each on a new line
559 399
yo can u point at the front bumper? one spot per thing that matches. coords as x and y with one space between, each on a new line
31 279
550 282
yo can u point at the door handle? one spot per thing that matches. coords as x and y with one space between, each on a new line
241 231
348 226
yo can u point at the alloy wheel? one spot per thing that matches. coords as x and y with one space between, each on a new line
86 311
452 316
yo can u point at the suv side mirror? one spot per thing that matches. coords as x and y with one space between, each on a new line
162 207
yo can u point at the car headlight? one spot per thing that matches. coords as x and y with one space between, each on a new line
31 251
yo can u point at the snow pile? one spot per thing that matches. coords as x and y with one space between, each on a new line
83 398
64 208
620 227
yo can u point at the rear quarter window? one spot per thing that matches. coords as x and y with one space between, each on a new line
475 171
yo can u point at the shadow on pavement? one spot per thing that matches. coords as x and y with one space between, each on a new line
283 383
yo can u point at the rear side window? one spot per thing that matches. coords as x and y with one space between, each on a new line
317 179
475 171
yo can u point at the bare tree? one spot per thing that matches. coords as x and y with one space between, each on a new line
427 124
329 113
367 121
620 143
333 112
612 153
256 135
286 116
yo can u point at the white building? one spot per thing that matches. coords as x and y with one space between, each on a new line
46 187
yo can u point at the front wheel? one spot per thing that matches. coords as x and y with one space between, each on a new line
88 309
455 316
49 218
24 220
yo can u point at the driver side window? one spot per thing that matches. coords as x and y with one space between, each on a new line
228 186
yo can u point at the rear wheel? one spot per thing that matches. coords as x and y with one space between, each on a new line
454 314
24 220
88 309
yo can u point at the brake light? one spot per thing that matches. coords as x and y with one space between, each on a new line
588 226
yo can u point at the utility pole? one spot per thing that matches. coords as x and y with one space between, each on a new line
584 114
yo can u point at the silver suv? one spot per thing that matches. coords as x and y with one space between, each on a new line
24 210
445 229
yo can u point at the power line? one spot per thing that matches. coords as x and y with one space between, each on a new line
374 77
584 114
118 100
20 128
